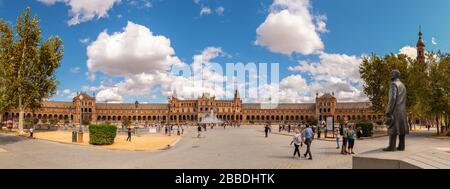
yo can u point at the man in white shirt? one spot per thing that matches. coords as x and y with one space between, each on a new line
297 141
31 132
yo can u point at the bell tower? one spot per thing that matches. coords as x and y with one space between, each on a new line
420 48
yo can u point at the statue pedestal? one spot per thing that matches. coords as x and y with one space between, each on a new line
415 157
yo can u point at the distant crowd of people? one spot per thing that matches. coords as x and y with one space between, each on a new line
224 125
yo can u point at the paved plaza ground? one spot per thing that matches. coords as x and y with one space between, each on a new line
143 142
244 147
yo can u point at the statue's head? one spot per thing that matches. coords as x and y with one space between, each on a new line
395 74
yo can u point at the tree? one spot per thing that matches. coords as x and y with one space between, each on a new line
312 120
86 122
44 120
28 65
126 122
417 86
54 121
66 121
438 99
373 72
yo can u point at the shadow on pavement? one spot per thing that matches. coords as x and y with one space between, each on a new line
7 139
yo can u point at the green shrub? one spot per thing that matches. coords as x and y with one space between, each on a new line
102 134
366 127
448 133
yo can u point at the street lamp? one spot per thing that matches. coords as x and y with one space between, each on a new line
80 133
81 111
136 104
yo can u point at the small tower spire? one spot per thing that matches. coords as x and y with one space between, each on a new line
420 47
236 94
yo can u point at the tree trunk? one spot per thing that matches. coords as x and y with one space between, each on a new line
21 112
437 124
19 78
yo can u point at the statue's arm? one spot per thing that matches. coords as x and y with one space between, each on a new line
392 99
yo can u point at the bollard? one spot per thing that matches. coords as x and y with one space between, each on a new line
74 136
80 137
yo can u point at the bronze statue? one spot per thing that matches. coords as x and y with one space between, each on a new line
396 113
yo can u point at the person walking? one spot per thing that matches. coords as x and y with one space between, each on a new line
289 128
297 141
279 128
308 136
199 130
344 139
31 131
266 130
338 137
351 139
129 134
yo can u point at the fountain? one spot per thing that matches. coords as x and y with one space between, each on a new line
211 119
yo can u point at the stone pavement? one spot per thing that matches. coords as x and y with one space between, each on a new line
232 148
425 153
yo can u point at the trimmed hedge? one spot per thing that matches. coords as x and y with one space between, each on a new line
102 134
366 127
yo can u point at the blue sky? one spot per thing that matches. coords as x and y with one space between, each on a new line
353 28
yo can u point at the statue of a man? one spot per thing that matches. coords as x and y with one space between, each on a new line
396 113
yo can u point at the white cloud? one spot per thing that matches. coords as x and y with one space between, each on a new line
135 54
134 51
409 51
144 61
332 67
294 89
206 79
85 40
321 23
141 3
146 84
337 73
51 2
290 28
434 40
75 70
85 10
344 91
205 11
65 93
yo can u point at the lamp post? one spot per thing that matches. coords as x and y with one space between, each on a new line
80 132
81 111
136 105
